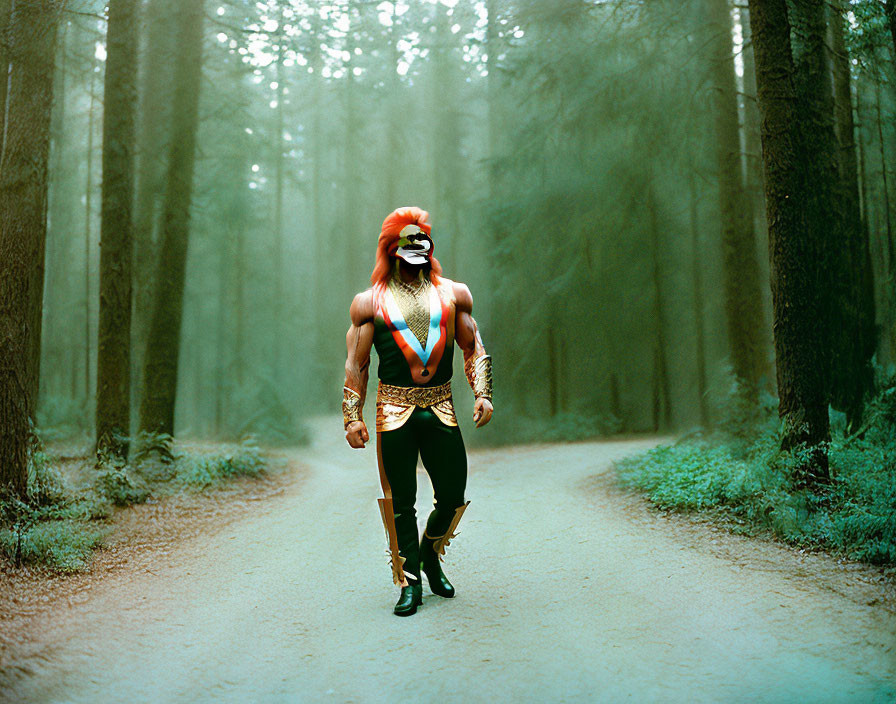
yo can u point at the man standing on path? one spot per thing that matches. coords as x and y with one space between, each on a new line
413 315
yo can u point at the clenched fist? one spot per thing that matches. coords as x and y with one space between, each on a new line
356 434
482 411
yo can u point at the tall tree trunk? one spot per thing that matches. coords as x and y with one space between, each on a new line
158 37
743 297
393 139
277 304
553 371
875 250
752 129
493 90
163 345
890 317
58 207
446 136
222 329
859 305
357 256
31 40
879 123
238 237
832 225
861 126
113 372
88 222
792 249
322 324
662 395
753 181
697 280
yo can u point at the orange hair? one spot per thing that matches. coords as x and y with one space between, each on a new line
394 223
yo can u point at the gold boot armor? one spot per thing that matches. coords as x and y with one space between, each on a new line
440 542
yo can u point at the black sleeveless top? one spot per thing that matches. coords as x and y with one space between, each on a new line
393 367
399 349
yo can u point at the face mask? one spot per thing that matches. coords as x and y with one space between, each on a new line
414 245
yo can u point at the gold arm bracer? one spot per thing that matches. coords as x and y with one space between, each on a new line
351 406
479 375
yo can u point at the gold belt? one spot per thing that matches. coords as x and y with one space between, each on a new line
395 404
421 396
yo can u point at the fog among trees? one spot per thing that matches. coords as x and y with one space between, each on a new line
593 169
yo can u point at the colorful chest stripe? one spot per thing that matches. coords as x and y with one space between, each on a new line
417 357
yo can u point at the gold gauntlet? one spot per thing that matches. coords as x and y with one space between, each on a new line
479 374
351 406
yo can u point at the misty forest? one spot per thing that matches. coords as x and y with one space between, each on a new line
675 218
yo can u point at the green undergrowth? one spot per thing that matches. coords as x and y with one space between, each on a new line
66 515
738 476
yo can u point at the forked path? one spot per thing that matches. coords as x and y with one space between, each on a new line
563 596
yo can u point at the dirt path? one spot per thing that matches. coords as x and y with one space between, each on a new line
568 590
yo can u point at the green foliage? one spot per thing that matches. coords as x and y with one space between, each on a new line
149 445
117 483
58 526
45 486
198 470
51 525
63 544
747 484
867 33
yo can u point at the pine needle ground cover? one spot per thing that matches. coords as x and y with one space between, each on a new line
738 476
65 515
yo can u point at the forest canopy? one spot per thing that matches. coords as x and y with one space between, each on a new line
593 170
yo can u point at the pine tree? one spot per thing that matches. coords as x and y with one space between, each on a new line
160 369
113 407
30 50
793 246
743 298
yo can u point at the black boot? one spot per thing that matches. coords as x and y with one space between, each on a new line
411 597
432 568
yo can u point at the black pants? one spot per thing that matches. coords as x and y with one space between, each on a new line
441 448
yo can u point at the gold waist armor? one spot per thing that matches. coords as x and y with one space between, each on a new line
395 404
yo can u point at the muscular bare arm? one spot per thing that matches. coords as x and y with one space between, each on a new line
358 341
466 332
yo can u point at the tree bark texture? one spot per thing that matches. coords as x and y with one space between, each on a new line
113 408
156 70
743 296
832 225
163 345
31 39
792 246
856 240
